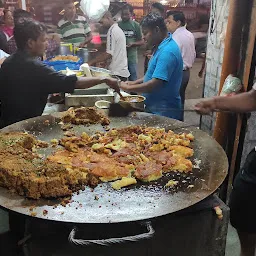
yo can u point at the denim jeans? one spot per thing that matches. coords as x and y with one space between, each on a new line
133 71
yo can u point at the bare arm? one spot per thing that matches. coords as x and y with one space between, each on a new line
2 61
241 103
100 58
244 102
87 82
136 44
88 39
142 87
139 81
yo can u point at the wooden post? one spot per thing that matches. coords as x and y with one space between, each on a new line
231 60
245 78
145 6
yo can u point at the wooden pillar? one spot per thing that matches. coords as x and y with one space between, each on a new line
145 6
231 59
249 42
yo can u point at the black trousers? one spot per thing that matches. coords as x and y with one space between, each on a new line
242 201
184 84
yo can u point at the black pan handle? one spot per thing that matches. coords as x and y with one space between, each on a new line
111 241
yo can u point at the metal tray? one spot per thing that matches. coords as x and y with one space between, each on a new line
88 97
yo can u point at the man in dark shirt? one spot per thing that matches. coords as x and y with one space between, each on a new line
133 36
25 82
242 204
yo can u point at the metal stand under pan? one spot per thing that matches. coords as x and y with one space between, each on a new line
194 231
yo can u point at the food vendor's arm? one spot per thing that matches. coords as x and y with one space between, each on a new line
88 35
142 87
50 81
2 61
87 82
88 39
135 44
139 81
244 102
100 58
110 49
165 66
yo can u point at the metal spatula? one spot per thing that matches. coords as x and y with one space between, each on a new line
123 109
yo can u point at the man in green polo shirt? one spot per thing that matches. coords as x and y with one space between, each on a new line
72 28
134 39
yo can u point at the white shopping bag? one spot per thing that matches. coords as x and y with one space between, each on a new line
94 9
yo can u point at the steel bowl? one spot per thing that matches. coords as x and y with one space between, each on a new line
100 72
102 104
86 54
137 101
83 54
66 49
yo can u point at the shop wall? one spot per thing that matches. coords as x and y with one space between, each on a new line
215 53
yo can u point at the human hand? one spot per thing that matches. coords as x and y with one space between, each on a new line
205 107
149 56
125 86
90 63
148 52
113 83
82 45
130 82
200 74
129 45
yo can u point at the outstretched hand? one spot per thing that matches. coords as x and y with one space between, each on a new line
205 107
125 86
113 83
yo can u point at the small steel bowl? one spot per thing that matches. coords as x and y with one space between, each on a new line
102 104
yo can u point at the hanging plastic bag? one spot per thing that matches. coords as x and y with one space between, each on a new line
231 86
94 9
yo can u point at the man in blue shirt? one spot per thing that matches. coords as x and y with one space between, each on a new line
161 84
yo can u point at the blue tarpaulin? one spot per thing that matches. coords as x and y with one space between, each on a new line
63 64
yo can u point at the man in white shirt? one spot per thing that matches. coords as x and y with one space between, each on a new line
116 49
175 22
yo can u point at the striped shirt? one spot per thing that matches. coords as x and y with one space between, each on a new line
73 32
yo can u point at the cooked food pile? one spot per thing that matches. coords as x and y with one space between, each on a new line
133 99
24 172
65 58
85 116
122 156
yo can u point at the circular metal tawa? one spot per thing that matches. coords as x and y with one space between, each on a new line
138 202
